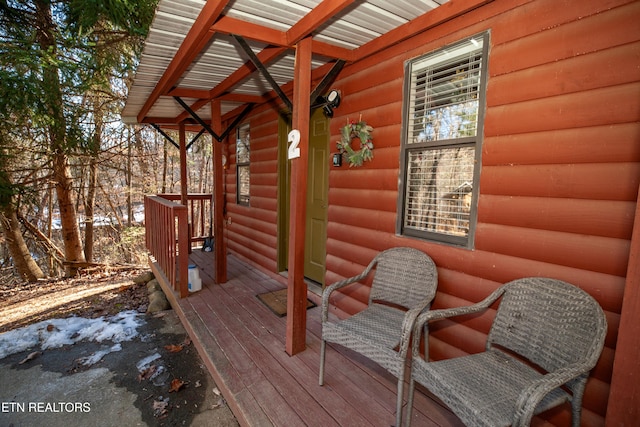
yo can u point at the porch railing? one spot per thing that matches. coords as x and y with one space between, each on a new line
166 238
200 214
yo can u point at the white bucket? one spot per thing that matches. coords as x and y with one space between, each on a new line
195 284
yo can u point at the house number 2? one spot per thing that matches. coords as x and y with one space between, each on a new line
294 139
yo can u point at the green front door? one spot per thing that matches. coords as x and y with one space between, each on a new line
317 198
315 252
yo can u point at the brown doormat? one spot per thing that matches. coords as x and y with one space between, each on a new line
277 301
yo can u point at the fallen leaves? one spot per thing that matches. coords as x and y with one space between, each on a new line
176 385
147 373
175 348
160 407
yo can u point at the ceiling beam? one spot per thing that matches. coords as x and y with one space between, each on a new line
197 37
249 30
189 93
210 20
267 55
319 15
263 70
331 51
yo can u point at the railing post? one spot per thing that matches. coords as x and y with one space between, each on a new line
183 249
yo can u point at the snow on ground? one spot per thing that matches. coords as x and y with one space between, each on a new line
56 333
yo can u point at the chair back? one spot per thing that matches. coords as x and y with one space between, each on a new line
550 322
404 276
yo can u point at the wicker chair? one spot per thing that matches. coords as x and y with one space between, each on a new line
546 323
404 277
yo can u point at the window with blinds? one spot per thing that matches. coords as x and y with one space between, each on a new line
243 155
444 98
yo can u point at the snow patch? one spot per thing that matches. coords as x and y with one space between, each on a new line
98 355
56 333
146 362
152 368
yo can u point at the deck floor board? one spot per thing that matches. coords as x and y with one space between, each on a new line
243 346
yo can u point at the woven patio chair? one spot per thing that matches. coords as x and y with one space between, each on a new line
403 277
546 337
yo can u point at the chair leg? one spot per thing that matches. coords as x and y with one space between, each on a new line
576 410
399 401
323 345
412 389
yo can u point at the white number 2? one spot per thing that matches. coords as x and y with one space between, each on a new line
294 139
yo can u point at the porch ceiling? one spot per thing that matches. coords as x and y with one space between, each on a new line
191 53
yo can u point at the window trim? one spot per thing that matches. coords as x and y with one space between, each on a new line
467 241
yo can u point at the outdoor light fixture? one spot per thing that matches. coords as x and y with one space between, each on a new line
329 102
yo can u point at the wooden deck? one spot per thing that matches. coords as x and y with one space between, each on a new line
243 345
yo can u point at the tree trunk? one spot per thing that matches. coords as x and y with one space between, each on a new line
90 201
22 260
148 178
46 36
73 251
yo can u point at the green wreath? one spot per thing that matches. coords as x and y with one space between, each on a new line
362 131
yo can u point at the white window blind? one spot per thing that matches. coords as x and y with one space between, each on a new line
444 100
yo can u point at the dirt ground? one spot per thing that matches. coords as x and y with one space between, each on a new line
184 395
90 294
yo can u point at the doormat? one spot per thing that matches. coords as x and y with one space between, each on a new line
277 302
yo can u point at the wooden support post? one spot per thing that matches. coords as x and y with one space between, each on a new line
183 250
624 397
184 187
184 184
220 246
297 288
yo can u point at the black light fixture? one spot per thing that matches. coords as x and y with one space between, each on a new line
329 102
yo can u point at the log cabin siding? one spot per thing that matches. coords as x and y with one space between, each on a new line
251 230
559 176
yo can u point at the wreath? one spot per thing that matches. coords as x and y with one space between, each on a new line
362 131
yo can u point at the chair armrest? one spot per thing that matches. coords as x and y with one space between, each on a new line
407 326
326 294
531 396
430 315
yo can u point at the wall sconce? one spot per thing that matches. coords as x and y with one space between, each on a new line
337 160
329 102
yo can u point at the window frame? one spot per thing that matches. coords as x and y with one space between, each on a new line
241 198
467 241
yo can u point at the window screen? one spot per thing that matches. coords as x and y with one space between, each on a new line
441 145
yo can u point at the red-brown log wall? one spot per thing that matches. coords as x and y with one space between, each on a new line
251 230
559 176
